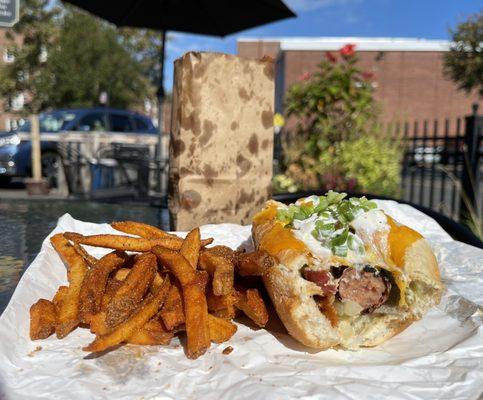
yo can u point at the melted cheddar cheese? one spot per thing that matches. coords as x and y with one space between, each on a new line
400 238
267 214
277 238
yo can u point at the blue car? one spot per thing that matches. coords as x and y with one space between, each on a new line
15 153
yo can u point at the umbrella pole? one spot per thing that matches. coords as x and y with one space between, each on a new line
161 176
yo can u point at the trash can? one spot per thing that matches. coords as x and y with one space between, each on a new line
102 174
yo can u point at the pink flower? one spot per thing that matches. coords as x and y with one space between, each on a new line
330 56
304 77
348 50
368 76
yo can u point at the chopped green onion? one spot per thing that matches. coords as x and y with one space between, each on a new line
355 244
325 226
283 216
346 212
334 197
340 251
332 226
341 238
323 203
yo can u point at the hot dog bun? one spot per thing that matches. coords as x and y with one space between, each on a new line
409 259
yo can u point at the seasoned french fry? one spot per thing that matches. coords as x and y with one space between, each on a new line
59 296
98 323
94 284
111 288
143 230
42 319
216 303
206 242
122 273
127 243
157 282
194 300
148 308
152 333
220 329
251 303
254 263
222 271
172 312
229 312
68 310
203 278
132 290
90 260
223 251
190 249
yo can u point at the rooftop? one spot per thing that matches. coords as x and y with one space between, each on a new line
362 43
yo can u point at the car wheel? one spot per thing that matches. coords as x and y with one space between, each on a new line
5 181
51 163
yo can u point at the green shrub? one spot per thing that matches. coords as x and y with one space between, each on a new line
373 162
336 143
284 184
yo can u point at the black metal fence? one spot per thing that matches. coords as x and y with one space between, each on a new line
442 164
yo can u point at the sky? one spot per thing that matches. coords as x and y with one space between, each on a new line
428 19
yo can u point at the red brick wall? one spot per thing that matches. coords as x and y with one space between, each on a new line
258 49
409 85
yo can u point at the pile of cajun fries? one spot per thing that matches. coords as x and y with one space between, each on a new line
164 286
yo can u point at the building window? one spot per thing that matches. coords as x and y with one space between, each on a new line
17 102
8 56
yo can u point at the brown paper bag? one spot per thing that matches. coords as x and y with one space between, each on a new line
221 145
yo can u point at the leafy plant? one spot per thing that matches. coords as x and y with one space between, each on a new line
66 58
335 103
284 184
464 62
373 163
78 71
38 29
335 144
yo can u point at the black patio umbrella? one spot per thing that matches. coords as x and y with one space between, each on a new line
208 17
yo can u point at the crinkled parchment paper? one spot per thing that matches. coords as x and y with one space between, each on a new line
440 356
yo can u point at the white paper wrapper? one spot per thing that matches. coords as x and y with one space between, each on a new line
440 356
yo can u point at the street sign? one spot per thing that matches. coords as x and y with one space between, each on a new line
9 12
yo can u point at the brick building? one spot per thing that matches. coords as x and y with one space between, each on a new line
409 79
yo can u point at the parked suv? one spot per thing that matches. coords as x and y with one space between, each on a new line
15 148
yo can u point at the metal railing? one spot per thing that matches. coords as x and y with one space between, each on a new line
442 164
111 165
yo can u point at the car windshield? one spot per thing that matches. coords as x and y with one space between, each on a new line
51 121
